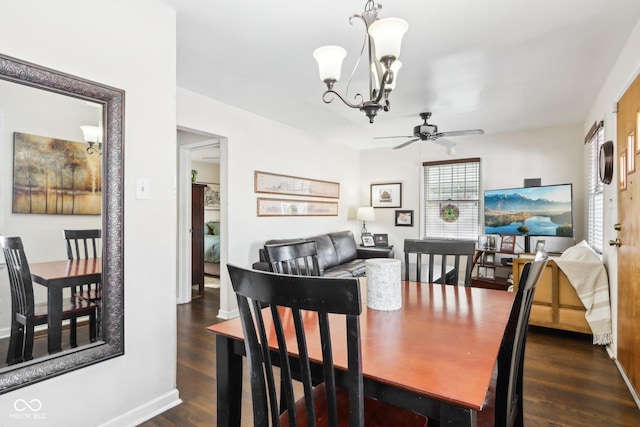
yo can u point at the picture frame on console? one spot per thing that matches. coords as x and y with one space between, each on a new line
367 240
508 243
381 240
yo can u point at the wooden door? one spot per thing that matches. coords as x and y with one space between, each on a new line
629 235
197 237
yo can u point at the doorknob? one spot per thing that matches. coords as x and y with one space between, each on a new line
615 243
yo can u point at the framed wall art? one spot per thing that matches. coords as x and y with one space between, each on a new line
55 176
386 195
404 218
211 196
508 243
272 183
287 207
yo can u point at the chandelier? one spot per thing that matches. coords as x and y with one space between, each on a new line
93 138
383 40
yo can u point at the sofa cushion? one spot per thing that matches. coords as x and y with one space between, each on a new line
327 256
345 246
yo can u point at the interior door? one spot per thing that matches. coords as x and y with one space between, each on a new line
629 234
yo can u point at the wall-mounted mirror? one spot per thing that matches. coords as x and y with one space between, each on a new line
48 186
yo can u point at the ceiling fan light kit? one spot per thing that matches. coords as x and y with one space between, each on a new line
383 42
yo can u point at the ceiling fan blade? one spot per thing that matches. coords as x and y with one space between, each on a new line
461 132
411 141
388 137
445 142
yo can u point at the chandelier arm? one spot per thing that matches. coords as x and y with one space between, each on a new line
347 103
364 45
383 83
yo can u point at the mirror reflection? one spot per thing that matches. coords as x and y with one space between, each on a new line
52 179
58 311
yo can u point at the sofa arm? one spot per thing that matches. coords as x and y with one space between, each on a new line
365 253
261 265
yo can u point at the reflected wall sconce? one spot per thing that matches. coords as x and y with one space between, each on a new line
93 137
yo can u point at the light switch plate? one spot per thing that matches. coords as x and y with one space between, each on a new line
142 188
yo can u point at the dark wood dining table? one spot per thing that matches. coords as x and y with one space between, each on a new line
57 275
435 355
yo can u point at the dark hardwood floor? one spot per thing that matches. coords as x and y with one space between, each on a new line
568 381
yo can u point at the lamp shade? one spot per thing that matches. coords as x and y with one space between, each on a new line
366 213
91 133
387 36
329 62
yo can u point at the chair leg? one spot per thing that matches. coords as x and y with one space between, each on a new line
73 332
28 342
92 327
16 344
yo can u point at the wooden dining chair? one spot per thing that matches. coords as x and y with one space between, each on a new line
442 255
84 244
297 258
294 301
503 405
25 314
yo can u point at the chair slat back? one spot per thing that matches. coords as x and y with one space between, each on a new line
458 253
298 258
22 301
82 243
296 301
511 356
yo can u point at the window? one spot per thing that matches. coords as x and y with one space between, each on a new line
595 206
451 199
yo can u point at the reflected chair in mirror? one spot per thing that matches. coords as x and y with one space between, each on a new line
446 259
84 244
296 258
292 302
504 402
26 314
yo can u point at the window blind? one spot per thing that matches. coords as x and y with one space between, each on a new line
595 203
451 199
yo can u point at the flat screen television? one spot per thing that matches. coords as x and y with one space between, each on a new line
534 211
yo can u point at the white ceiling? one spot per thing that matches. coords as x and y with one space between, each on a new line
499 65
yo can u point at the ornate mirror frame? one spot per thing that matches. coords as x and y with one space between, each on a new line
112 327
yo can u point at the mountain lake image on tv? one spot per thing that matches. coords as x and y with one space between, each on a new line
533 211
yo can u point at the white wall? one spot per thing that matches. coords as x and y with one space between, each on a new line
623 73
250 143
552 154
128 45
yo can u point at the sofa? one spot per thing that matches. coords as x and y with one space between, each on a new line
338 254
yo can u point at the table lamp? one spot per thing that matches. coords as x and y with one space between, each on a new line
364 214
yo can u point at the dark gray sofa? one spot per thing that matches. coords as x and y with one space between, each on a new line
338 254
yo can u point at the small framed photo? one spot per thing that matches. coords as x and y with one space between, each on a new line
540 245
491 273
483 241
386 195
367 240
489 258
381 239
482 271
508 243
404 218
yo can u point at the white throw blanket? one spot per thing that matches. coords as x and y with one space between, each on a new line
587 274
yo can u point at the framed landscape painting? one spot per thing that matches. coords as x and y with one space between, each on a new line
55 176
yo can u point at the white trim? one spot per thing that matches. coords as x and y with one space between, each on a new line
226 315
147 411
633 392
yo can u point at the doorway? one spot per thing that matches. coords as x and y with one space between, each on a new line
200 152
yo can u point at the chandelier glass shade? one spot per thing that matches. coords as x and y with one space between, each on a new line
383 42
93 137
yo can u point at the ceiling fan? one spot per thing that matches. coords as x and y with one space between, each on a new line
429 132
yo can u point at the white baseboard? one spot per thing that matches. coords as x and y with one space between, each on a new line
226 315
634 393
147 411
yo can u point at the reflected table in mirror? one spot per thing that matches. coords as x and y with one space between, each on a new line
55 276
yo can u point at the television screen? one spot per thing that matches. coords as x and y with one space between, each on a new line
535 211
